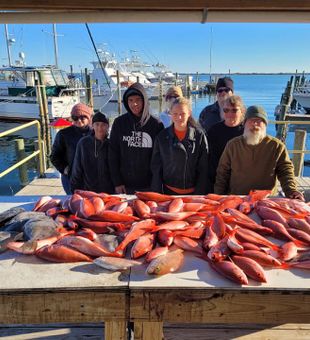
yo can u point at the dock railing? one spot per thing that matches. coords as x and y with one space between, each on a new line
38 152
299 142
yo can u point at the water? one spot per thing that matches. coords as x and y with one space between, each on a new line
263 90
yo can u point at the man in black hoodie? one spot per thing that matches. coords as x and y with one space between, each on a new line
90 170
131 143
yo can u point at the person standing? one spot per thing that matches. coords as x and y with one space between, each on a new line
131 143
255 160
213 113
66 140
180 157
90 169
172 93
220 133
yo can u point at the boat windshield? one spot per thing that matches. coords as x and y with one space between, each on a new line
53 77
60 77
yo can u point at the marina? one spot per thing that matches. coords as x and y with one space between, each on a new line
47 300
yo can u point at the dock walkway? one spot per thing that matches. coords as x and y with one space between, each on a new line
51 185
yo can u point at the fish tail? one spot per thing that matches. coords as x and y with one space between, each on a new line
284 265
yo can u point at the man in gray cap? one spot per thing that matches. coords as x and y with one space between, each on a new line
255 160
213 114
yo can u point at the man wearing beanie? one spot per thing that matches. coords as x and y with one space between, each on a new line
213 114
90 169
255 160
131 143
64 146
171 95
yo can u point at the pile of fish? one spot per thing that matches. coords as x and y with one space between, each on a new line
237 236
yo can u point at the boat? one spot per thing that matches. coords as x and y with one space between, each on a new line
18 84
105 83
301 93
18 100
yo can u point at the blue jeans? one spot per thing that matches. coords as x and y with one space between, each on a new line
65 181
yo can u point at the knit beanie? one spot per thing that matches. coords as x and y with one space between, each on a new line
81 109
225 82
132 92
256 112
100 117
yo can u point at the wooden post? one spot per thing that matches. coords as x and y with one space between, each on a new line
41 168
41 113
188 86
197 81
286 100
160 94
176 79
48 141
20 155
119 93
89 93
298 158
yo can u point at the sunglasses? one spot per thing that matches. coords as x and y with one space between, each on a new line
226 110
171 97
225 89
76 118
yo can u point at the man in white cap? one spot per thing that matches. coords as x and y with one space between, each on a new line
255 160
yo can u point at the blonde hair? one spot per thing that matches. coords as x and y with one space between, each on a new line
186 102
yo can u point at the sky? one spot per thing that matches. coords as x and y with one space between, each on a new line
184 48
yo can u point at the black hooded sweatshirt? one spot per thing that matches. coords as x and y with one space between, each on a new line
90 169
64 147
131 146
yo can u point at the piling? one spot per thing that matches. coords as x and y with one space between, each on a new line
299 145
176 79
188 86
160 94
41 113
89 92
197 81
47 123
41 161
119 93
20 155
285 103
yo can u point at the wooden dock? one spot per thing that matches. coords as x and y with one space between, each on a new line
51 185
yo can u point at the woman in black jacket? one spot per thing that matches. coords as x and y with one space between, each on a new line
64 146
90 169
180 157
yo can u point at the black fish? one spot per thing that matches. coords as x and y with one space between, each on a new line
17 223
9 214
39 229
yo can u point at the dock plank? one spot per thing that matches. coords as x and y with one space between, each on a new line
51 185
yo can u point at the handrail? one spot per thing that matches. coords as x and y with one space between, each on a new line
295 122
34 154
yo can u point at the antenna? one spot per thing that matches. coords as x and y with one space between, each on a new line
211 37
9 42
55 35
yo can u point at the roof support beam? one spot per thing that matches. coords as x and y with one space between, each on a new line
140 16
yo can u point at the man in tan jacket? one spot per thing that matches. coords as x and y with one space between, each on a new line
255 160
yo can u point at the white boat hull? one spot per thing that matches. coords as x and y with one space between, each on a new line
303 99
27 108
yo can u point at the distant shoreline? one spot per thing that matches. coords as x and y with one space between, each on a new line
249 73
